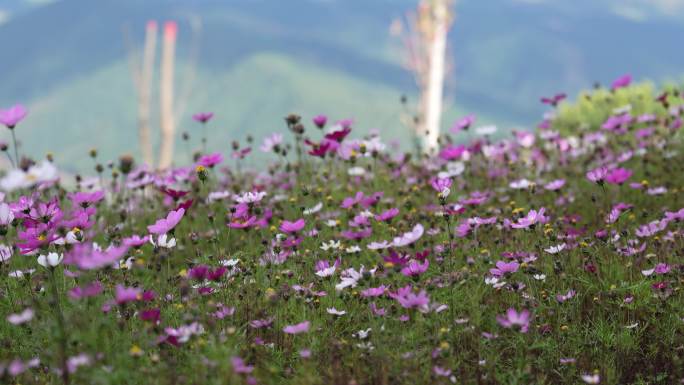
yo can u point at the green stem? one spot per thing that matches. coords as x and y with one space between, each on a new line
59 316
16 150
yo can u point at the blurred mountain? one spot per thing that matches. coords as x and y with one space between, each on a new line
261 59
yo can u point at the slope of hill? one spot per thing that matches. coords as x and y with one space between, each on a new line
67 60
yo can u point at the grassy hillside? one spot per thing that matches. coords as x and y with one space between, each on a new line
250 98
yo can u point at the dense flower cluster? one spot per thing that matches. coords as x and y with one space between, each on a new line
484 263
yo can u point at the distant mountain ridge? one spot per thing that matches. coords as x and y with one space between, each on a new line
67 60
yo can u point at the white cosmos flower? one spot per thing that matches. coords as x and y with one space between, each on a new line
327 272
453 169
250 197
591 378
51 260
332 244
351 277
379 245
314 209
622 109
486 130
5 253
36 174
21 274
6 214
362 334
556 249
164 241
353 249
218 195
229 262
520 184
333 311
356 171
70 238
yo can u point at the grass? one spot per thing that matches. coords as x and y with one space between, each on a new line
623 324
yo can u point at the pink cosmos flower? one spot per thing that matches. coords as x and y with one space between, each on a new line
135 240
441 372
85 199
618 176
21 318
554 100
125 294
261 323
415 268
533 217
622 81
409 237
374 291
502 268
564 297
210 160
13 115
87 257
271 142
324 269
651 228
93 289
512 319
555 185
387 215
239 366
441 185
463 123
297 328
292 227
598 175
452 152
164 225
320 120
410 300
203 117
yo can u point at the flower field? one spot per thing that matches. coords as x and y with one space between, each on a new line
545 256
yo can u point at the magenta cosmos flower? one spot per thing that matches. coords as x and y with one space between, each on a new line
622 81
292 227
452 152
13 115
387 214
598 175
463 124
240 367
441 185
554 100
502 268
125 294
618 175
409 300
415 268
210 160
164 225
203 117
512 319
320 120
297 328
85 199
